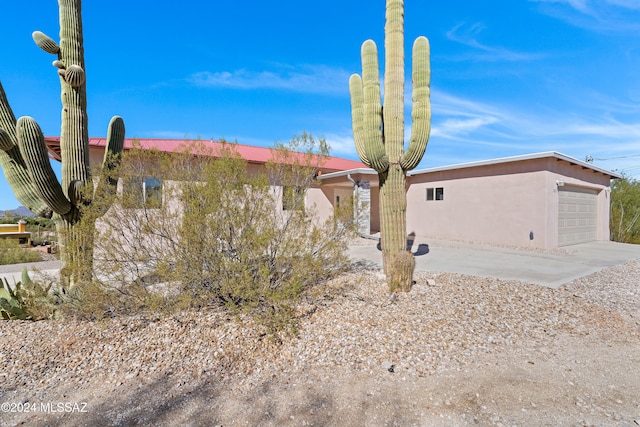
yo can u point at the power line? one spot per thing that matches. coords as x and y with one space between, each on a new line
590 159
631 168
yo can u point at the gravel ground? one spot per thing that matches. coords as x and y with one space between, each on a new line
456 350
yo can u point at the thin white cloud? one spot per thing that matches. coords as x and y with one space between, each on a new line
610 16
317 79
453 127
456 117
588 6
579 5
342 145
467 34
507 130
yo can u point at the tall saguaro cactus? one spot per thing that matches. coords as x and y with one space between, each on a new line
379 134
24 157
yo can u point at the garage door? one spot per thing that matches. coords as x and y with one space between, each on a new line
577 215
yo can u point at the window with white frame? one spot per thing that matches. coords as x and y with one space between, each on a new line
435 193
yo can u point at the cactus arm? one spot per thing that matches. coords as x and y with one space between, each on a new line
421 111
107 185
33 147
12 164
113 150
366 111
45 42
357 117
374 139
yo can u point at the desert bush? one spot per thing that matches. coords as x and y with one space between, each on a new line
218 232
12 253
625 210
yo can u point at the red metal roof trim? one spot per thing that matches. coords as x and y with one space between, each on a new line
251 154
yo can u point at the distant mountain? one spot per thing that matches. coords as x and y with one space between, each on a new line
19 212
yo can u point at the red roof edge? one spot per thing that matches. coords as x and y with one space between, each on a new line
251 154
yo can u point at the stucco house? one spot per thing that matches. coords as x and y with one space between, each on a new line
256 158
542 200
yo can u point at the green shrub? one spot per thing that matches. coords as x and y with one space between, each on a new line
12 253
216 235
625 210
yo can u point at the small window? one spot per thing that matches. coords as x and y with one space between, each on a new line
435 193
292 199
152 192
142 192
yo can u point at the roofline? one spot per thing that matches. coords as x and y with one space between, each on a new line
519 158
329 163
361 171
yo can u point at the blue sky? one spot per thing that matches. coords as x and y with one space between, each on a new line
509 77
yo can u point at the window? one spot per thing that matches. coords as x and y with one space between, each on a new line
435 193
153 192
141 192
292 198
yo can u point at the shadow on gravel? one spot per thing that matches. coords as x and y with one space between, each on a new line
337 402
162 402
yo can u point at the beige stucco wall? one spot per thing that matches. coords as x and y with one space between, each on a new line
501 203
319 201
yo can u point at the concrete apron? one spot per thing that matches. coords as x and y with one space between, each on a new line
551 269
542 268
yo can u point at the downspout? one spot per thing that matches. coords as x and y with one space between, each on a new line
365 236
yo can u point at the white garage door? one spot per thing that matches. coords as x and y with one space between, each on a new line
577 215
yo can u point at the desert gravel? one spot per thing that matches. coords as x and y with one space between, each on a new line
354 341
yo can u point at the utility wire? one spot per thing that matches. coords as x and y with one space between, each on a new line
590 159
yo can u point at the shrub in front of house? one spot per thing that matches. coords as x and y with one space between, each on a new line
216 232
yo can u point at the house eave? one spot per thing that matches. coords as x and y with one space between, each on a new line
519 158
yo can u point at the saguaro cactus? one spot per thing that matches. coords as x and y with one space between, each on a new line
379 133
24 158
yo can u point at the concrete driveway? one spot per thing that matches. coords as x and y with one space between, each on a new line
551 268
548 268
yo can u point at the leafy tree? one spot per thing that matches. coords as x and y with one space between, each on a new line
625 210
